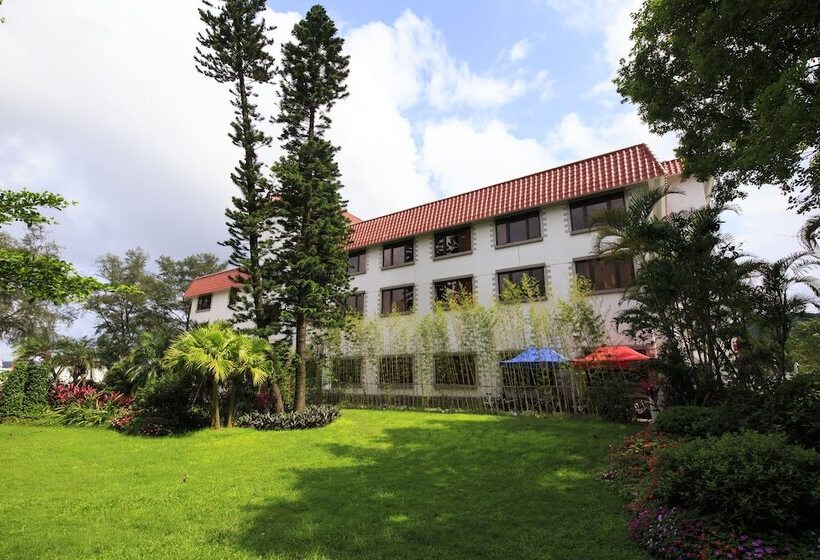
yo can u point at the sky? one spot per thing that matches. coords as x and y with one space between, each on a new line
101 102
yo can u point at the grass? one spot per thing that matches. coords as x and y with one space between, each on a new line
374 484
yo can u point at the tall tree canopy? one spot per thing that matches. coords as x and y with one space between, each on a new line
739 82
232 50
312 231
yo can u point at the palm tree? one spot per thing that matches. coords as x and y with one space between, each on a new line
144 362
252 358
632 231
208 351
778 301
78 355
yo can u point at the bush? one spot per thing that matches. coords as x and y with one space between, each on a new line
314 416
748 480
614 400
631 463
695 421
171 401
25 390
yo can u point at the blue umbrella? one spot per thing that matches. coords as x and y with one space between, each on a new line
537 356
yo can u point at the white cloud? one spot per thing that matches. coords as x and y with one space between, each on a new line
520 50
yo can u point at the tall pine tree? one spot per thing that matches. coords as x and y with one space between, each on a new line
312 231
233 51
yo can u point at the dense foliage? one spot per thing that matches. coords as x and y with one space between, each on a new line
87 406
614 400
25 390
737 83
314 416
748 480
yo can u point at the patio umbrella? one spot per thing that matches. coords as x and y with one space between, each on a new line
537 356
611 356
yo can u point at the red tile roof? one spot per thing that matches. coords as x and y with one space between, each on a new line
211 283
351 218
672 167
623 167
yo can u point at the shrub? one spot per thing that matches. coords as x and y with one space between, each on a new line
614 400
171 401
696 421
748 480
631 463
314 416
25 390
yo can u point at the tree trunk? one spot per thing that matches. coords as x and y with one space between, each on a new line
231 407
278 402
301 369
215 421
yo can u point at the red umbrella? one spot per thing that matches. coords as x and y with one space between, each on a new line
611 356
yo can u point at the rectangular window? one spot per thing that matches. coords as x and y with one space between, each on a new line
396 370
356 262
515 229
452 242
397 253
356 303
455 369
584 212
233 297
515 278
203 302
347 371
398 300
456 286
605 274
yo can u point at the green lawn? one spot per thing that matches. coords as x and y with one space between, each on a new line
374 484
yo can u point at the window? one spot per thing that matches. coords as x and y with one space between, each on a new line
356 262
518 228
455 369
397 299
452 242
203 302
356 302
582 214
347 371
233 297
515 278
458 285
397 253
606 275
396 370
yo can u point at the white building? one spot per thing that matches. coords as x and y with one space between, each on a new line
536 225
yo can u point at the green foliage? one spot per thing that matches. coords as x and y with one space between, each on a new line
174 400
143 363
613 400
803 346
749 480
697 421
314 416
77 414
737 84
25 390
310 256
25 206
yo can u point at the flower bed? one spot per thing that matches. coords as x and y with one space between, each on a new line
88 406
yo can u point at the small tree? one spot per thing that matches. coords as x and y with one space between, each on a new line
311 257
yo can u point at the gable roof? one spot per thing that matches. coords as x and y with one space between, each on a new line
211 283
623 167
672 167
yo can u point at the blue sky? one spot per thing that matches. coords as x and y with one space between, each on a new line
101 102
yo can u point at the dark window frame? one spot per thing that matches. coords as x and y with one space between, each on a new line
500 285
405 243
453 365
464 233
505 239
584 204
348 371
438 297
361 262
411 288
388 378
355 308
589 273
200 302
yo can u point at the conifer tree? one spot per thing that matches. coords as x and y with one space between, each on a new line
233 51
313 232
